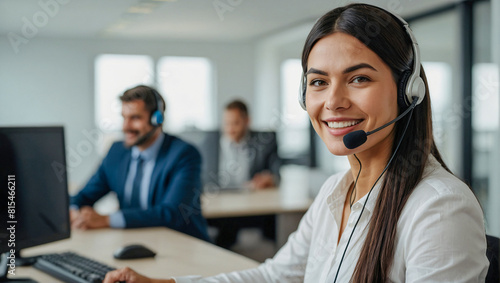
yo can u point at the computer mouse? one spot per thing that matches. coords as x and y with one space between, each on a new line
133 252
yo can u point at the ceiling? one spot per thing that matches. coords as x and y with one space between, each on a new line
187 20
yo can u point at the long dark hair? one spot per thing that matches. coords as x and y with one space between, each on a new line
385 35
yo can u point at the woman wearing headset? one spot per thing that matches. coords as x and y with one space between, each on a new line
398 215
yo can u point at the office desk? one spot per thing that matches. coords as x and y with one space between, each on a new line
253 202
288 204
177 253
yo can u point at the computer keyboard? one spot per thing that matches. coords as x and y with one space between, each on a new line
72 268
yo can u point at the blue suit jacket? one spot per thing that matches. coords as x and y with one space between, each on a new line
175 188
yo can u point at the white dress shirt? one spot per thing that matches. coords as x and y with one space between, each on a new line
440 237
234 162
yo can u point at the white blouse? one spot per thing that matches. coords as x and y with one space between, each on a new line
440 237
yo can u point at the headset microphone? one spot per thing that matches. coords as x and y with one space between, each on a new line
357 138
145 137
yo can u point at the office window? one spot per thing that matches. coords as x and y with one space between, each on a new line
467 125
485 108
294 124
440 61
113 75
186 84
439 79
485 97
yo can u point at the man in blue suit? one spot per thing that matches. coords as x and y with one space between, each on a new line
155 176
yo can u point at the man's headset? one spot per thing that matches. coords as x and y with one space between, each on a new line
410 86
157 114
156 119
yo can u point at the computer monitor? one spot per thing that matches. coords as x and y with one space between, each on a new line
33 189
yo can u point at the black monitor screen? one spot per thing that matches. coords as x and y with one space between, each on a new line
33 187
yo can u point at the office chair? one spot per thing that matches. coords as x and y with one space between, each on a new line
493 253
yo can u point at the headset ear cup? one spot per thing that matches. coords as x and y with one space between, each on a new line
302 93
402 98
157 114
304 98
156 118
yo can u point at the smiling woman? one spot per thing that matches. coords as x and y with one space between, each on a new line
398 214
348 88
358 79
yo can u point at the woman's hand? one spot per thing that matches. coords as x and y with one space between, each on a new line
128 275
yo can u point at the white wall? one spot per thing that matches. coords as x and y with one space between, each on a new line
270 54
51 82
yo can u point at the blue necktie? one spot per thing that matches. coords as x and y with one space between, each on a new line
135 200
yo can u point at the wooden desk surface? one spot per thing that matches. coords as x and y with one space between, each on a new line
177 253
255 202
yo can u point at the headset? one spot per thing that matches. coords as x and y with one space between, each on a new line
156 118
157 114
410 86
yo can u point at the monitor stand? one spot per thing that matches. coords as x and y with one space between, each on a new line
4 268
